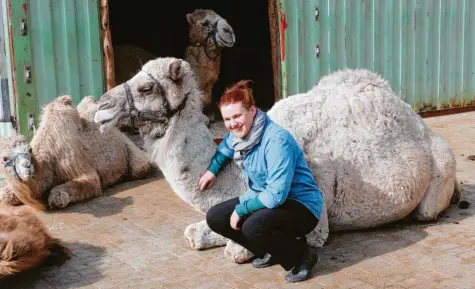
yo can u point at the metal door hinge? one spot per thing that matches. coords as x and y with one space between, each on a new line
317 51
23 27
31 122
316 13
13 120
27 69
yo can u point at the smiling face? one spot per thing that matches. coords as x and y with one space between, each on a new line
238 119
17 160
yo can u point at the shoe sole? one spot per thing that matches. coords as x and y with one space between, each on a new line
262 266
313 265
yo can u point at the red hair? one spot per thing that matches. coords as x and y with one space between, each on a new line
240 92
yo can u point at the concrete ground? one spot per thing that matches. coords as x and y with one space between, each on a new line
132 237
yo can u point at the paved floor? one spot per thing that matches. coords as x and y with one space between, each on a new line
132 237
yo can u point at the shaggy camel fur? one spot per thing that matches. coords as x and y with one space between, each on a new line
69 160
25 242
373 157
209 33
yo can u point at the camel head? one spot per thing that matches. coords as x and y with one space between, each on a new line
17 159
87 108
209 29
152 97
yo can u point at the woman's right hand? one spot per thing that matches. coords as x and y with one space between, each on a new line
206 180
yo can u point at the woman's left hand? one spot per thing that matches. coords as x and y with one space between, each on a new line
234 220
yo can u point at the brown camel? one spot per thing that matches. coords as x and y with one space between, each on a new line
209 33
25 242
68 160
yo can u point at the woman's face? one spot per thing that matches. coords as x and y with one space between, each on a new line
237 118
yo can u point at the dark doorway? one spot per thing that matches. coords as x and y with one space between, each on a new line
161 28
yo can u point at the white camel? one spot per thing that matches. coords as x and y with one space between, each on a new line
373 157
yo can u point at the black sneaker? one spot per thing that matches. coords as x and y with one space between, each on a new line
263 262
302 271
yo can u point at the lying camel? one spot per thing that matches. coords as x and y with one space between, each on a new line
25 242
68 160
373 157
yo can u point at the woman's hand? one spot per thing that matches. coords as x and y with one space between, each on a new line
234 220
206 180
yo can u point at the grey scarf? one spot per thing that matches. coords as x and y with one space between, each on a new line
243 145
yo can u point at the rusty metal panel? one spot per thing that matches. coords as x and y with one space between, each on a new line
424 48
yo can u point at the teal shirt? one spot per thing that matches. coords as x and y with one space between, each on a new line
275 170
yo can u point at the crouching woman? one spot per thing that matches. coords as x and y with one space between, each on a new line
283 202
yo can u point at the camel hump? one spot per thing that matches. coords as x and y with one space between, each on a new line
65 99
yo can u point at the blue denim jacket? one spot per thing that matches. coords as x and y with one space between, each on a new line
275 169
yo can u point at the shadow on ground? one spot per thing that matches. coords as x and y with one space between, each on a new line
347 248
109 204
83 269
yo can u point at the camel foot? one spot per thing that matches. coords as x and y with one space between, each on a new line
58 254
237 253
58 199
199 236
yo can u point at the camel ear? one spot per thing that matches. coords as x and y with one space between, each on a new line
175 70
189 18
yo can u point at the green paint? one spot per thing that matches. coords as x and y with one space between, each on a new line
25 92
468 56
64 48
423 48
283 65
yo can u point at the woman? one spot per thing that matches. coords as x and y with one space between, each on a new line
283 202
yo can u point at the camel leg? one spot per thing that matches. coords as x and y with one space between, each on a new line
58 254
8 197
139 163
237 253
442 183
319 235
457 192
76 190
200 236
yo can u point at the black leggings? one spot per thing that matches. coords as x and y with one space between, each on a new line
280 231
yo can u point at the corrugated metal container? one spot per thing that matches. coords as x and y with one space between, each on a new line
63 46
424 48
5 114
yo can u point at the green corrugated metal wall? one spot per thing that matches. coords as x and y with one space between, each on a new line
424 48
63 46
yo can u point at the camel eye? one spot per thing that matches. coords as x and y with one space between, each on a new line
145 88
5 159
205 23
30 150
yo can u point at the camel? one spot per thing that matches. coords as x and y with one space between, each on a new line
25 242
373 157
209 34
68 160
